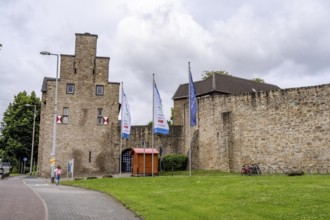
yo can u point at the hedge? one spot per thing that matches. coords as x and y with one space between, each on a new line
175 161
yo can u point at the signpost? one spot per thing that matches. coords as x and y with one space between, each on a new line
52 161
52 166
70 167
24 160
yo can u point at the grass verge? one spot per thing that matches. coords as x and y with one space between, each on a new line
214 195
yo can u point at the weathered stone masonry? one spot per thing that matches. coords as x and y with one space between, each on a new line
278 128
94 147
282 128
82 138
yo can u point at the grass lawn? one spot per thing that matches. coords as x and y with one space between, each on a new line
214 195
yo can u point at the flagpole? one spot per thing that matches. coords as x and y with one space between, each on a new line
121 126
189 119
144 158
153 124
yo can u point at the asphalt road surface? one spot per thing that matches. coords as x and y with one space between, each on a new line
28 198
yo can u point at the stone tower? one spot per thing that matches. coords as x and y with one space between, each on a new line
87 111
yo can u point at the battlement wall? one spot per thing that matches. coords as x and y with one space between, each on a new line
281 128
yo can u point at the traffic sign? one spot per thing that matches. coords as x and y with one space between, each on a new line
24 159
52 161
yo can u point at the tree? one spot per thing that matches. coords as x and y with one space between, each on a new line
259 80
170 122
206 74
17 124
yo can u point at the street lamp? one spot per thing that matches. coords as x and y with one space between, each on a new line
55 115
0 46
34 125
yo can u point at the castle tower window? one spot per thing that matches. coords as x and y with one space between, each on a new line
65 116
70 88
99 90
99 116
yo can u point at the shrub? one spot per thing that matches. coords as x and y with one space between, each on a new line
177 161
91 177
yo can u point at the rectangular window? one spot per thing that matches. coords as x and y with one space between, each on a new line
99 90
70 88
99 116
65 116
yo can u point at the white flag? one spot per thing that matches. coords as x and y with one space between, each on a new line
160 124
125 117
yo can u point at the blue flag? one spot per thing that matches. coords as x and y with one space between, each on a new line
125 117
160 124
193 103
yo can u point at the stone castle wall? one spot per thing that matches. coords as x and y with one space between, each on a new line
82 138
141 136
95 148
282 128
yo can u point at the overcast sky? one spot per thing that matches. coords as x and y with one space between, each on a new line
286 43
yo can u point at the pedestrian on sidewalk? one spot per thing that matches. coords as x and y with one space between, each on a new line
58 172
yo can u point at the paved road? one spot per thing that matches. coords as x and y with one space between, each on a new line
51 202
18 201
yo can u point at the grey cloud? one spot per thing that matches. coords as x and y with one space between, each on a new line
284 42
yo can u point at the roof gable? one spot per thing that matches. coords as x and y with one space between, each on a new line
223 84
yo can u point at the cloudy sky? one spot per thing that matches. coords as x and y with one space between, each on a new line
286 43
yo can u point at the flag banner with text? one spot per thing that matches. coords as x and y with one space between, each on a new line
160 124
125 117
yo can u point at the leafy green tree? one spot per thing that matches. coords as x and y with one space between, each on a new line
17 125
206 74
170 122
259 80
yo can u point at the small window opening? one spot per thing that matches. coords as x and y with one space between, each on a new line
70 88
99 89
99 116
65 116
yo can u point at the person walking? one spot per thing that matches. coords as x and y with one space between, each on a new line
58 172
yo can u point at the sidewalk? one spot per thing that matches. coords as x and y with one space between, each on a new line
18 201
64 202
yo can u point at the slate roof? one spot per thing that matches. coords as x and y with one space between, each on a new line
223 84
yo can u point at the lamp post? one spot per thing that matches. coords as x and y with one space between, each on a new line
55 115
34 125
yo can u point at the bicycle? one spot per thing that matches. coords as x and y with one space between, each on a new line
278 170
287 170
263 170
255 169
270 170
322 170
245 170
